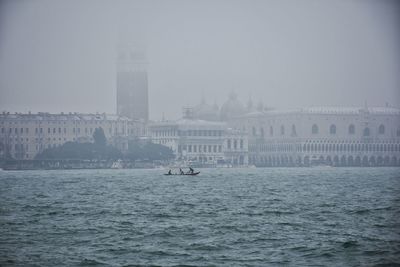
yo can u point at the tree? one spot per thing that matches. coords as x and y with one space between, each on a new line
74 150
148 151
99 137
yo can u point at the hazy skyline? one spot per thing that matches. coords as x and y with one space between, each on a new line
61 55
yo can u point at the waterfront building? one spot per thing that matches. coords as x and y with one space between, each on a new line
201 142
132 84
23 136
342 136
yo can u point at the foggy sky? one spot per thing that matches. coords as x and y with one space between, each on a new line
61 55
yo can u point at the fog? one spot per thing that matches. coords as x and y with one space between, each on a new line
61 55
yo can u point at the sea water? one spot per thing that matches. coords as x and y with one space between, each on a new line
222 217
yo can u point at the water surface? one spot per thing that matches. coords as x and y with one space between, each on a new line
223 217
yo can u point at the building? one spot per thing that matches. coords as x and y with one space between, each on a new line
22 136
201 142
132 87
368 136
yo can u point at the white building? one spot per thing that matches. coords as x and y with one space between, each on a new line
25 135
332 136
202 142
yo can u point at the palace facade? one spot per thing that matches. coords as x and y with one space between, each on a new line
368 136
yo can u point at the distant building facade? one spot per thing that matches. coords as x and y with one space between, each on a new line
202 142
132 84
23 136
326 136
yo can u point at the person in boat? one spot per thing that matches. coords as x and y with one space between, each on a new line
169 172
181 172
191 171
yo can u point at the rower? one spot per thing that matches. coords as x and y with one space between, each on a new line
191 170
169 172
180 170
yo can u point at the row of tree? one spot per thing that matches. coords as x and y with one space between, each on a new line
100 150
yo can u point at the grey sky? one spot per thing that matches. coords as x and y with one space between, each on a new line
60 55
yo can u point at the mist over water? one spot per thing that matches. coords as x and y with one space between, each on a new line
240 217
61 56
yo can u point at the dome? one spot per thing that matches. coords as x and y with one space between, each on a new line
204 111
232 108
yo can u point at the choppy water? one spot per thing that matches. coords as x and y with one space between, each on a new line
229 217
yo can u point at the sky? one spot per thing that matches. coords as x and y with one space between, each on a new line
60 56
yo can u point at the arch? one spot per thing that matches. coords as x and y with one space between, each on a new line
343 161
394 161
329 160
298 161
321 160
357 161
386 161
381 129
366 132
350 161
332 129
372 161
314 129
335 161
379 161
352 129
365 162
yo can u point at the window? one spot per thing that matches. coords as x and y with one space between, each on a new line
366 132
235 144
282 130
352 129
262 132
332 129
314 129
271 131
229 144
254 131
241 143
381 129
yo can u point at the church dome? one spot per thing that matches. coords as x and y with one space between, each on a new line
204 111
232 108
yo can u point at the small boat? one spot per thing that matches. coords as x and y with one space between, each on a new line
193 173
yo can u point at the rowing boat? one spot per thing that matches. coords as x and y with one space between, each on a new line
192 174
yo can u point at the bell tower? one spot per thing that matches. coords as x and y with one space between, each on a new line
132 85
